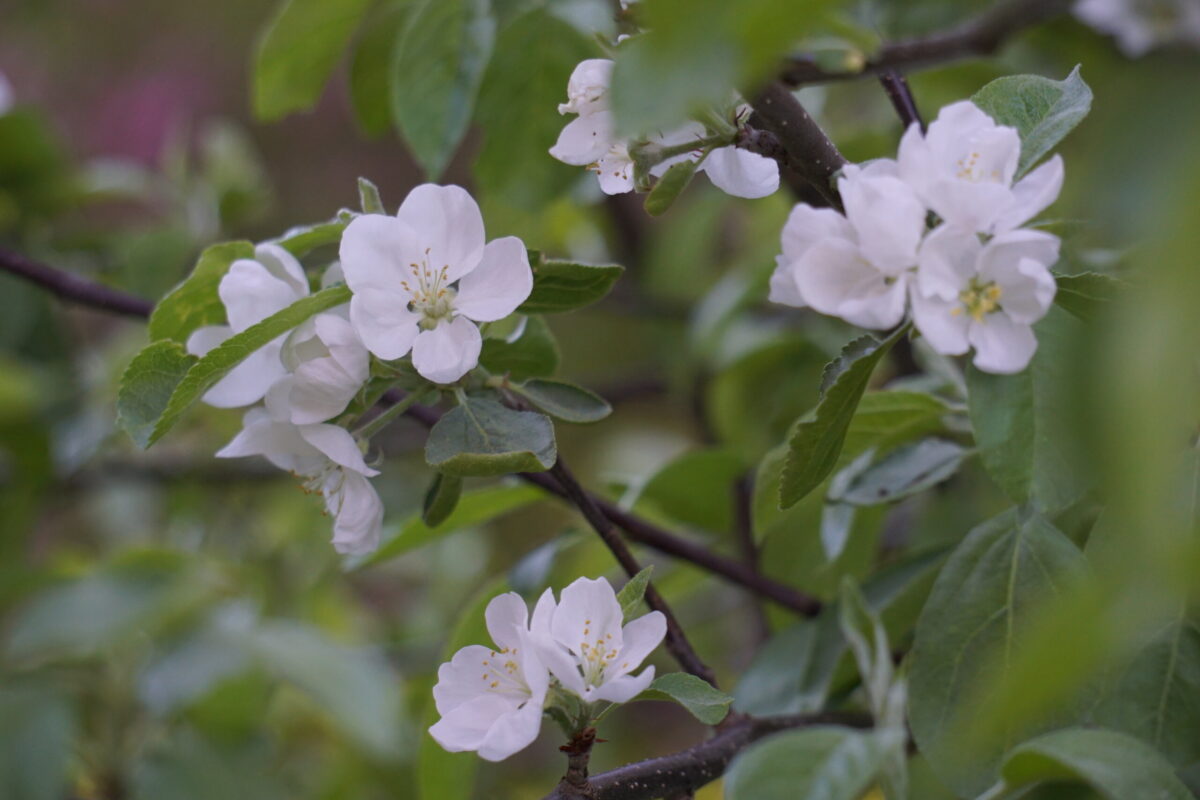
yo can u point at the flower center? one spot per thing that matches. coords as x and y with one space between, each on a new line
503 674
979 299
432 296
596 657
970 170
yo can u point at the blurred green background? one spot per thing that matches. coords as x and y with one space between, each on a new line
176 626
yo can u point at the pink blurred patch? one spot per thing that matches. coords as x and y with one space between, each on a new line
136 118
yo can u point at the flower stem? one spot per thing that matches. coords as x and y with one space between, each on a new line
380 422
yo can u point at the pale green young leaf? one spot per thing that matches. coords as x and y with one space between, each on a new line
1087 293
564 286
147 385
705 703
368 197
668 188
531 352
887 419
195 303
631 594
435 74
827 762
299 50
564 400
441 499
303 238
906 471
481 438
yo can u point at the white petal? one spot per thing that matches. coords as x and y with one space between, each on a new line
835 279
500 283
511 733
384 323
250 380
614 170
284 266
466 726
459 678
321 390
333 275
915 161
1002 345
506 616
640 637
882 306
587 88
543 612
206 338
449 351
338 445
938 322
973 206
806 226
625 688
1032 194
1018 262
784 289
448 222
587 611
1026 293
251 294
742 173
562 664
358 515
886 215
947 261
279 443
584 140
378 252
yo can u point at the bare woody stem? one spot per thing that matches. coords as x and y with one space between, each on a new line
71 287
979 37
808 150
679 773
676 642
901 96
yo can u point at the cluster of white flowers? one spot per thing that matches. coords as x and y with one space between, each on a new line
1141 25
421 280
977 279
491 701
590 141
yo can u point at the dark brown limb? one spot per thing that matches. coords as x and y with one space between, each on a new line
979 37
71 287
807 149
902 99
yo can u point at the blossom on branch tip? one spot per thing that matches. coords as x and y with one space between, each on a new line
490 701
582 641
423 278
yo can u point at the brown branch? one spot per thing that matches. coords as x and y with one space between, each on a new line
899 92
976 38
72 287
676 642
690 769
809 152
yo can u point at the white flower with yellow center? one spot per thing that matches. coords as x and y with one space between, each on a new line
423 278
986 296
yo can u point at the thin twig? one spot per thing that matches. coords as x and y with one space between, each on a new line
71 287
899 92
676 642
976 38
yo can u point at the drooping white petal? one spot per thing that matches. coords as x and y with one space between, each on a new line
357 512
806 226
280 443
512 732
614 170
587 88
466 726
449 351
624 688
947 261
384 322
1032 194
450 226
501 282
943 323
250 294
250 380
584 140
742 173
1001 345
338 445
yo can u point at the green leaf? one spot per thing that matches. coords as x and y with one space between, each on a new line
368 197
1117 766
1043 111
705 703
441 499
668 188
1085 294
531 352
697 488
474 508
218 361
826 762
631 594
147 385
564 286
482 437
369 69
1155 696
304 238
564 400
435 75
195 303
890 418
518 113
183 765
868 641
817 439
1023 423
908 470
980 609
299 51
37 731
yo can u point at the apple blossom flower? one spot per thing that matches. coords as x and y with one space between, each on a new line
856 266
491 701
590 141
328 365
423 278
583 643
6 95
963 169
252 290
1141 25
987 296
328 459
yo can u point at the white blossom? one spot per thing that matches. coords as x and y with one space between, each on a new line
963 169
328 459
856 266
1141 25
422 279
987 296
252 290
582 641
490 701
329 364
